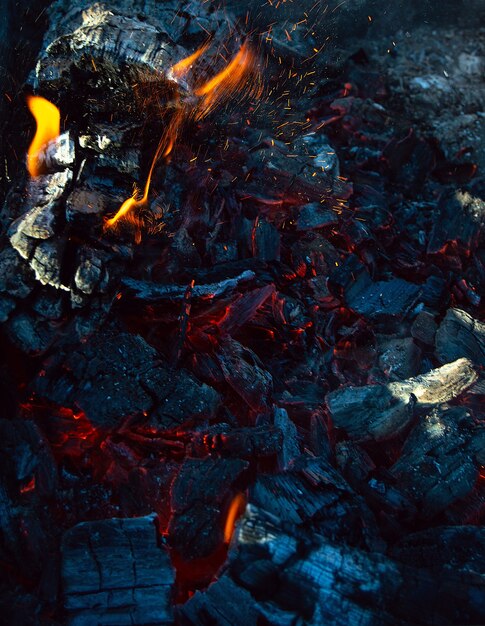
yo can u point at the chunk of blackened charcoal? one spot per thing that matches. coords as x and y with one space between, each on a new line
200 496
117 374
461 219
383 301
115 571
424 328
314 215
440 461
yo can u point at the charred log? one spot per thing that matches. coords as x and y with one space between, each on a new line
379 412
114 571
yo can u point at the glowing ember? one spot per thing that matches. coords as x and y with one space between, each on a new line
48 121
235 511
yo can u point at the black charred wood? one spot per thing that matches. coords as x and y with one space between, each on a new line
116 571
200 496
440 461
115 375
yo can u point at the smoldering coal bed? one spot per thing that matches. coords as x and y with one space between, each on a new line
241 295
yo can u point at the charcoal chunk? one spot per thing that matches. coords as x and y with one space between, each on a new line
200 495
461 219
115 572
440 460
383 300
116 374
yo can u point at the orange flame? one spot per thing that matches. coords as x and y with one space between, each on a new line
48 119
164 148
182 67
211 93
229 80
235 511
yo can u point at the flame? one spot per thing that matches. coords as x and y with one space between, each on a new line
182 67
48 119
235 511
164 148
231 79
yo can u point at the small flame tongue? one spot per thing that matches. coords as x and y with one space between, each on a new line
48 121
183 66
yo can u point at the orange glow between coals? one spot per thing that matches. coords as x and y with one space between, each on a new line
48 119
235 511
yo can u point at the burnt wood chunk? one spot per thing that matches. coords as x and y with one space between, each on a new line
363 476
153 292
245 373
115 572
323 582
223 604
440 460
55 221
378 412
290 449
243 443
200 495
460 335
461 220
383 301
457 547
25 457
424 328
116 374
311 494
314 215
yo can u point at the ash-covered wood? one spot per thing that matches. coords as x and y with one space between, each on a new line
379 412
115 571
460 335
115 375
56 221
